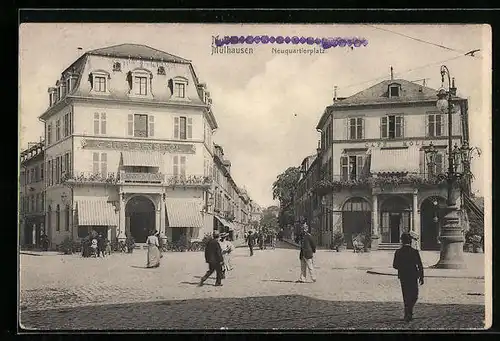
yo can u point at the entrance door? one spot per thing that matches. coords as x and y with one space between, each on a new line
394 222
356 219
141 212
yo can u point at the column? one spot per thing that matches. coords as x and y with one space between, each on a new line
121 228
415 228
375 221
162 220
158 216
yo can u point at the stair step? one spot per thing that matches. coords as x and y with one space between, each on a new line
388 246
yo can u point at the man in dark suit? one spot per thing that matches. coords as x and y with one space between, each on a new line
213 256
307 251
410 273
251 237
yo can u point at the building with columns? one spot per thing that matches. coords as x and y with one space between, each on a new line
128 147
377 176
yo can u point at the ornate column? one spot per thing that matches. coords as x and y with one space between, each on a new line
375 221
121 228
415 228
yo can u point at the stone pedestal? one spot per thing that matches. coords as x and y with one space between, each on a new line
122 223
452 242
375 242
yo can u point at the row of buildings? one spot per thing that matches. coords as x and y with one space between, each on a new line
128 149
374 171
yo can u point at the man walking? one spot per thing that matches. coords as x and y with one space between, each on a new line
410 273
250 242
213 256
307 250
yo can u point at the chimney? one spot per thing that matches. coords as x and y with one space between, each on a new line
335 94
453 89
424 82
392 74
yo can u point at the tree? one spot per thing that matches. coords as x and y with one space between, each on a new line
284 189
269 221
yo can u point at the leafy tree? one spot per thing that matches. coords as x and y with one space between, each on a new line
269 221
284 189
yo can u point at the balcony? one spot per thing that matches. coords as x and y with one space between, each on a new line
141 178
188 181
90 178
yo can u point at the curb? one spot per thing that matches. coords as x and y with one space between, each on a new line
371 272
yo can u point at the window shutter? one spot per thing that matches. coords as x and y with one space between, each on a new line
176 127
439 163
403 126
428 125
176 165
104 164
96 123
346 129
130 125
189 128
103 123
383 127
151 120
343 168
96 163
183 166
362 128
359 166
439 125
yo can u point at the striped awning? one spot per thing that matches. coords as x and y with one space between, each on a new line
96 212
395 160
184 212
144 159
228 224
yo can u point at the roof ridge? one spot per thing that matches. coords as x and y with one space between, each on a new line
141 45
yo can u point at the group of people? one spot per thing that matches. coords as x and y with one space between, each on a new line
218 256
259 238
96 246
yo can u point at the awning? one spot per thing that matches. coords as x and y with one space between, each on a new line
395 160
94 212
145 159
184 212
226 223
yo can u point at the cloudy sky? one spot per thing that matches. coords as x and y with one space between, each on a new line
268 105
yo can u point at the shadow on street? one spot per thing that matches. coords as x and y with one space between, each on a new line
265 312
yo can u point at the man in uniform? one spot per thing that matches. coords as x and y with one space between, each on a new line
410 273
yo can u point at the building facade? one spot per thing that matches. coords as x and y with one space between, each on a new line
32 196
128 147
376 174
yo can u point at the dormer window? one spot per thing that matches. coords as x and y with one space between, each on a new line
140 83
52 96
99 81
180 86
394 90
161 70
68 85
117 66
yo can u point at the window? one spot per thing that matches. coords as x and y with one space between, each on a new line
183 128
99 84
42 207
351 167
100 166
70 123
434 125
68 85
58 167
356 128
41 172
141 85
392 126
37 202
161 70
67 164
99 123
68 212
140 124
66 125
179 166
49 133
394 91
437 166
53 170
117 66
49 173
58 130
58 218
180 90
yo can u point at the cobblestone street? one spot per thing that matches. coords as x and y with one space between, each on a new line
118 292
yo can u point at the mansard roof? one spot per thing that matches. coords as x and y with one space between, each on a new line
137 51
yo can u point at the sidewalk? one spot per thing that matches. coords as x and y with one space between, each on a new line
40 253
435 273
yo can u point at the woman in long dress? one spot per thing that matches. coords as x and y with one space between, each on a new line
153 251
227 248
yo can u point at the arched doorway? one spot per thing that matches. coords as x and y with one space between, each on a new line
395 219
140 216
431 218
356 218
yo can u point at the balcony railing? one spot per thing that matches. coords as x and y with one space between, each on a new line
189 180
91 177
134 177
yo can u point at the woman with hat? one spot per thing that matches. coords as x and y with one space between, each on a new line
153 251
227 248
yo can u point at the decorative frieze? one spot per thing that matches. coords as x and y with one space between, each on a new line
139 146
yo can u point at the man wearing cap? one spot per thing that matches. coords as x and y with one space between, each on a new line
213 256
410 273
307 251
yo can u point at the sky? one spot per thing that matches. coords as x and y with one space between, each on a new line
267 105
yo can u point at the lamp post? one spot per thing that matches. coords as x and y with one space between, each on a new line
451 236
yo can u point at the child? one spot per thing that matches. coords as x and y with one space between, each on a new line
410 273
94 247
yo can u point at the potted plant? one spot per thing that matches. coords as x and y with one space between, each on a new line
338 242
66 246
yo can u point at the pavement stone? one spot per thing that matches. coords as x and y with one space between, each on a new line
70 286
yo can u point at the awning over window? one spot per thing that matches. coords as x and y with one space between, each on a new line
395 160
226 223
96 212
144 159
184 212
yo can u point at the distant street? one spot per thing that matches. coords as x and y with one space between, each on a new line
70 292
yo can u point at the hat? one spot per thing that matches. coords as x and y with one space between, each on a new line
406 238
216 233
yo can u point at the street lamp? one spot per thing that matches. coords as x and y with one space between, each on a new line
451 236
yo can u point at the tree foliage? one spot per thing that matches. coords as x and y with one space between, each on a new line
269 221
285 185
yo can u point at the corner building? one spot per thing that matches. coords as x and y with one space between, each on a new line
128 147
374 157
